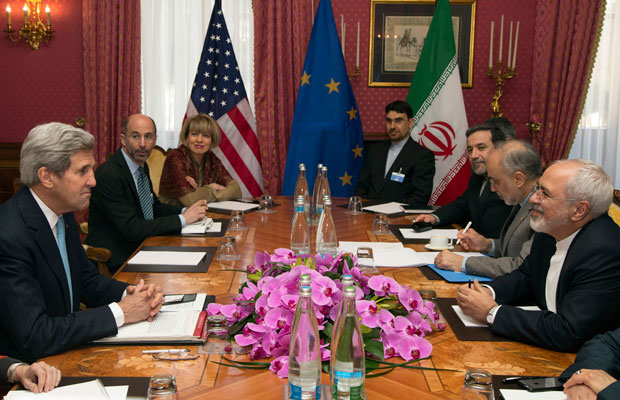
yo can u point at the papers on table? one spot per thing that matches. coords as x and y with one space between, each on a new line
233 205
517 394
386 208
167 258
387 254
416 210
195 305
92 390
206 225
409 233
470 323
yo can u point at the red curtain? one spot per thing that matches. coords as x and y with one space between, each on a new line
112 86
281 33
564 50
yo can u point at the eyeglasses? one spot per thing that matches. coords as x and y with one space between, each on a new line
543 196
149 137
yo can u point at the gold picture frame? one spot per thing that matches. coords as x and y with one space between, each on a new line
397 32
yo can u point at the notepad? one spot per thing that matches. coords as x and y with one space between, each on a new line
167 258
471 323
206 225
386 208
409 233
92 390
516 394
233 205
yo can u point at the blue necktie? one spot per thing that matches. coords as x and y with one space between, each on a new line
62 246
144 194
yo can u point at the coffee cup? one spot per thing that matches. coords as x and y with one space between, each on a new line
440 242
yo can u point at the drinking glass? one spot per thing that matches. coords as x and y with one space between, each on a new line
477 386
355 205
265 204
380 225
237 221
162 387
228 249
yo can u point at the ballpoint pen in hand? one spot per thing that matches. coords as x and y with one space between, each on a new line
464 231
165 351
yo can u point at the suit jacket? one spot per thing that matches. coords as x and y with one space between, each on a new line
115 218
511 248
486 211
5 363
600 352
37 319
587 297
415 161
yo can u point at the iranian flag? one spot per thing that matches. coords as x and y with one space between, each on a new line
436 97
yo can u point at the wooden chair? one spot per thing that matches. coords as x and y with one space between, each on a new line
99 255
156 165
614 208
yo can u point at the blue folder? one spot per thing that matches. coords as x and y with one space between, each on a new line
457 277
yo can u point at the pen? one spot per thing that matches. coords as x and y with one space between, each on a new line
470 283
165 351
464 231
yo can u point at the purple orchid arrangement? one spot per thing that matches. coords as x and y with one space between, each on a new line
394 318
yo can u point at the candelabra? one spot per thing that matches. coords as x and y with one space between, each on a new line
355 73
499 76
34 31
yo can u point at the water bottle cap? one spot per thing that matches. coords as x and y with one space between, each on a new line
302 167
304 279
350 291
320 166
324 168
305 291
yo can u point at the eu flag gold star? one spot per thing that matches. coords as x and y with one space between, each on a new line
352 113
305 79
333 86
357 150
346 179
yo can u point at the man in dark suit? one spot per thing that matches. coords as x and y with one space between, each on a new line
513 169
121 215
486 211
38 377
572 273
398 169
44 273
596 370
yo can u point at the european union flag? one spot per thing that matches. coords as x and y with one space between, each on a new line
326 125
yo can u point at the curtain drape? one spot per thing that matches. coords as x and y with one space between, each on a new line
564 40
597 135
173 34
111 48
281 40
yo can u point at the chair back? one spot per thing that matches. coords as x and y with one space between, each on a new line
156 165
614 208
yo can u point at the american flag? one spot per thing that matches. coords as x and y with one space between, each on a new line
218 91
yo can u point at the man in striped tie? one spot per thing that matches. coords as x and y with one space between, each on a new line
124 210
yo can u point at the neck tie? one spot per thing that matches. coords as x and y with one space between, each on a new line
144 194
513 214
62 247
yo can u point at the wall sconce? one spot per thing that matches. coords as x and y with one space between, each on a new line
33 31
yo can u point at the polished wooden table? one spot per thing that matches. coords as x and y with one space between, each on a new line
201 378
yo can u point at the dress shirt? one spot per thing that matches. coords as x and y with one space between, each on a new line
52 219
393 152
555 269
133 170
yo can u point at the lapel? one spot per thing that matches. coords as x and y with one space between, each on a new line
515 224
382 159
477 201
45 241
398 161
126 174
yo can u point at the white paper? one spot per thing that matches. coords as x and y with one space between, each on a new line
146 257
419 211
386 208
166 325
87 390
195 305
428 257
404 257
470 323
517 394
233 205
206 225
351 247
409 233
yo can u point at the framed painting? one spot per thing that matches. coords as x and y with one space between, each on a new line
397 32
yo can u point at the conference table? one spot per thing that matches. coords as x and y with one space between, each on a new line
204 378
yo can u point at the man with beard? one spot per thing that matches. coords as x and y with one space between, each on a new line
398 169
572 273
513 169
486 211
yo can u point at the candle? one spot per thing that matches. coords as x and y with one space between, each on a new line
514 54
312 12
509 46
491 47
8 15
357 58
25 14
501 39
344 35
47 11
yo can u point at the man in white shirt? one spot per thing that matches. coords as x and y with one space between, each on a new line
44 273
572 273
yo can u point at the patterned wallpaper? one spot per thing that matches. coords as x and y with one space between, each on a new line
515 102
44 85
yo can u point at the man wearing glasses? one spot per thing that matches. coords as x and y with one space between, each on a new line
572 273
124 210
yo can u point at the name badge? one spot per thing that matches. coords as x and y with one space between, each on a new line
397 177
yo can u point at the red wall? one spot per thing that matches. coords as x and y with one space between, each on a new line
516 100
44 85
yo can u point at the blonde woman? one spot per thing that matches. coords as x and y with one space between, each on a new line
192 172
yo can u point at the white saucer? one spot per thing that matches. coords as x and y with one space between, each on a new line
428 246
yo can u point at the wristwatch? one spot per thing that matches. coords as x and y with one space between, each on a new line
491 315
11 371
